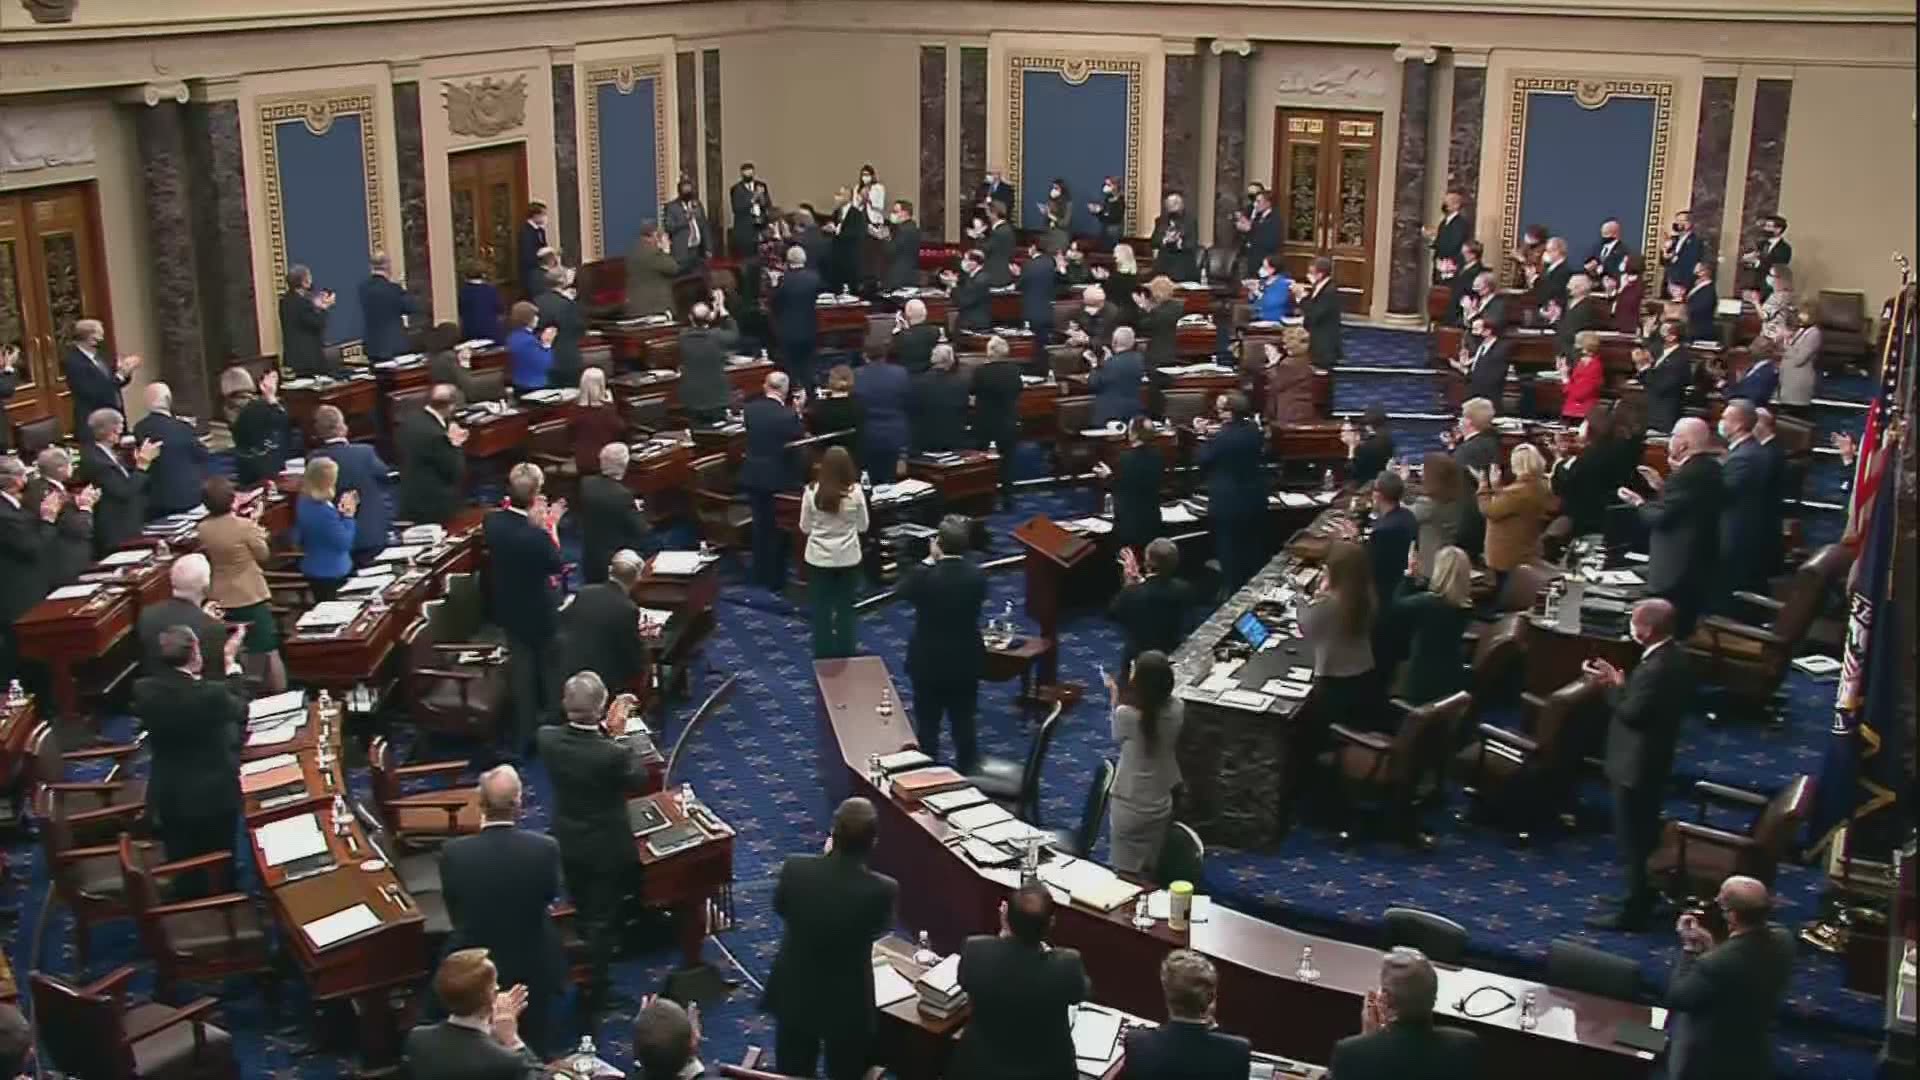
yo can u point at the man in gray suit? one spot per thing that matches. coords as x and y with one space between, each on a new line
1724 997
1398 1038
687 228
705 345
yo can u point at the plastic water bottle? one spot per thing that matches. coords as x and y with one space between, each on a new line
1141 919
1328 482
16 694
924 955
1306 972
875 775
706 551
586 1058
1529 1012
686 798
866 482
339 815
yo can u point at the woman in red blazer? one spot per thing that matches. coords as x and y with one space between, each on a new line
1584 380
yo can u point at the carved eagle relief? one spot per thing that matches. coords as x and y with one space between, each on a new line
486 106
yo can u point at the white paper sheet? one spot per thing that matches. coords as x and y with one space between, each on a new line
1096 526
889 986
372 583
978 817
74 592
254 768
677 562
1010 831
1096 1034
1158 906
291 838
340 925
126 558
944 977
398 553
275 704
1177 514
330 613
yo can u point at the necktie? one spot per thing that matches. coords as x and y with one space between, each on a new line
693 227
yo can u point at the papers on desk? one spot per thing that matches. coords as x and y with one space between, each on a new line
268 764
978 817
946 802
1096 1039
126 558
366 583
399 553
341 925
285 770
74 592
1178 513
1638 557
1096 526
1730 308
1247 699
1820 667
289 701
889 986
676 563
1033 380
329 613
1293 500
1222 678
1284 688
910 488
1619 577
425 536
552 395
1089 884
943 978
289 839
1204 368
1009 833
1159 906
987 855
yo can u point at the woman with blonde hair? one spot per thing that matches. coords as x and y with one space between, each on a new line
1159 330
325 528
1516 513
1123 280
1431 611
833 514
595 420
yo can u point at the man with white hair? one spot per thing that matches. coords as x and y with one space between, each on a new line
1683 523
611 517
915 338
73 530
95 377
1550 287
600 628
996 408
1582 313
1398 1038
1476 445
122 510
1092 324
524 559
794 316
710 339
188 606
177 474
1725 996
384 307
770 467
498 885
937 406
26 546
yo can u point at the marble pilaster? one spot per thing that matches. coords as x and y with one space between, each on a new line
566 165
166 169
931 212
718 210
229 325
1711 150
1766 152
1407 277
1230 142
411 170
1179 139
973 121
1465 134
689 155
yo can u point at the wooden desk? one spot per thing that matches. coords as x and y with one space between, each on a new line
1559 648
729 438
396 377
970 482
951 898
650 345
491 434
685 881
64 634
1315 442
662 475
842 320
1020 344
913 1045
357 397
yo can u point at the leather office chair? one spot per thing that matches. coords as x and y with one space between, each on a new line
1499 659
32 436
550 446
92 1031
1441 939
86 879
466 611
1093 814
204 940
1842 317
1572 965
1520 781
1523 585
424 818
1014 784
707 708
1391 775
723 521
444 694
1183 857
42 769
1182 406
1695 857
1749 660
1073 453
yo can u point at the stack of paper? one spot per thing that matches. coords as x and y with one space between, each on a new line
399 553
1095 525
1177 514
128 557
1096 1039
269 773
277 704
366 583
978 817
904 489
1295 500
289 839
676 562
329 613
341 925
889 986
74 592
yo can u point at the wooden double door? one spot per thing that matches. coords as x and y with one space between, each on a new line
488 194
1326 183
52 275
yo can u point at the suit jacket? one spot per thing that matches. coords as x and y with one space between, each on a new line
303 327
1001 193
1612 260
72 548
236 549
937 412
1759 383
600 632
1723 1004
1039 284
28 542
884 391
1407 1052
497 885
1160 334
1478 451
795 322
833 908
532 239
1452 233
1153 613
688 231
972 298
362 470
479 305
1626 305
1393 536
122 510
1667 382
1020 1028
1701 302
262 439
609 521
650 274
1780 254
745 227
770 465
703 366
448 1051
1321 313
1115 385
1180 1050
1099 325
521 559
947 596
1461 284
1488 376
1371 457
996 400
94 387
444 367
384 306
558 310
1682 254
432 469
174 611
1799 367
1136 496
1429 626
176 476
1236 482
913 347
1646 716
1263 239
998 250
193 734
591 777
1750 516
1683 529
1551 286
1290 393
1589 483
1174 247
903 257
1576 319
1515 517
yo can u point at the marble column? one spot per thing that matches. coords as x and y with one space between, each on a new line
1712 146
1230 140
1179 143
685 88
166 166
1766 153
1407 279
229 325
411 168
566 165
1466 132
932 211
718 210
973 122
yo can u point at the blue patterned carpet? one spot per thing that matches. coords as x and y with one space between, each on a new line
753 763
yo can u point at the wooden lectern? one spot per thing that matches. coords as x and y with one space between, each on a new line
1051 552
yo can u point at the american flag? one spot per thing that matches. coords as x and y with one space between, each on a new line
1875 445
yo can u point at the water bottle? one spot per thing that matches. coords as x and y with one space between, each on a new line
924 955
1529 1016
1306 972
875 775
1203 273
1141 919
706 551
686 798
1328 481
866 482
586 1058
16 694
1030 862
339 815
326 704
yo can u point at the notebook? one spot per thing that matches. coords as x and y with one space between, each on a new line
946 802
645 817
978 817
675 838
923 782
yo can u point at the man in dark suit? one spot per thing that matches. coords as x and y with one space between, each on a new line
796 322
194 723
1581 314
1647 709
1484 299
592 774
498 885
1476 446
1750 518
1450 236
1039 285
914 341
523 559
1262 233
1398 1039
95 379
611 518
432 463
945 653
1609 255
1186 1047
903 248
687 229
708 342
996 407
937 406
971 292
1724 997
533 240
176 475
557 309
1681 252
832 909
1233 459
751 204
1175 243
480 1040
303 325
770 467
1152 609
72 550
1116 380
1550 287
1773 250
361 471
1683 523
600 627
1666 377
999 244
1320 311
1092 324
1702 300
993 188
1369 445
1464 278
1484 361
384 307
1022 991
122 510
1394 532
189 578
1757 384
27 540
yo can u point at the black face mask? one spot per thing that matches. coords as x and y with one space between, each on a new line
686 194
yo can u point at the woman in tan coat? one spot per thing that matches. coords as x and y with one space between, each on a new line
1516 513
235 547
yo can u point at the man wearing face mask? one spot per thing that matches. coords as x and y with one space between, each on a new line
1092 324
993 189
1261 234
998 244
1750 521
1773 250
1609 254
1039 284
1683 523
1110 211
970 291
1273 296
1452 233
903 248
687 229
752 205
1462 282
1320 309
1682 251
1483 361
1175 247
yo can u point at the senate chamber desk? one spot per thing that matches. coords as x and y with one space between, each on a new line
1261 997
